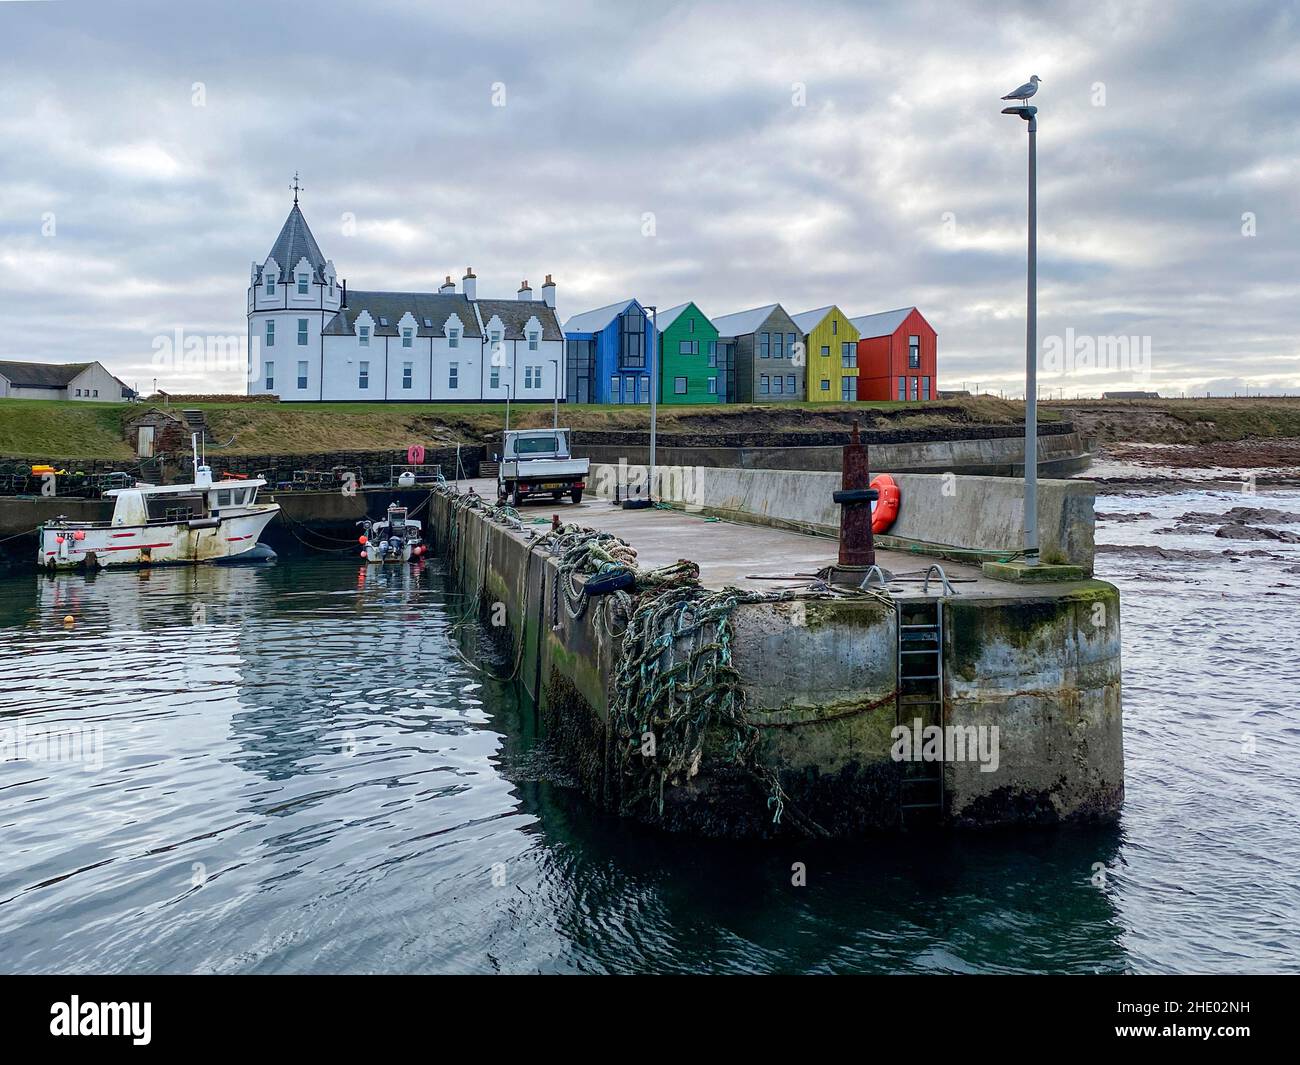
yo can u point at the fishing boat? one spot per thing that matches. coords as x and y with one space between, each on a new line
206 521
397 537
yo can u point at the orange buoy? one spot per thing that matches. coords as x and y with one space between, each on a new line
69 619
886 508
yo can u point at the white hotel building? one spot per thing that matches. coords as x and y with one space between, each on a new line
312 338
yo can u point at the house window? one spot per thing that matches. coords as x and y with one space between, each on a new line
925 388
532 340
902 389
848 353
764 384
384 322
496 337
270 284
331 288
363 335
835 327
363 374
453 375
95 392
453 338
790 385
826 384
690 325
302 373
270 376
916 388
615 393
913 353
632 339
494 378
302 331
713 353
764 345
408 374
778 384
713 386
78 392
270 333
428 323
847 389
407 336
302 284
826 351
688 347
529 380
643 390
679 386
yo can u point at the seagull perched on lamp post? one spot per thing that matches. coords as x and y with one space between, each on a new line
1026 90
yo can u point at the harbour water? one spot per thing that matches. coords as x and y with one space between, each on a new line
309 767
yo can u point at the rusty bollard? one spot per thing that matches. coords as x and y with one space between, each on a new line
857 547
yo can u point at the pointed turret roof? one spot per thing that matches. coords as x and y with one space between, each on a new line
295 243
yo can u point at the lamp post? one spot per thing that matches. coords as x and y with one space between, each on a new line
507 408
555 389
1030 115
654 390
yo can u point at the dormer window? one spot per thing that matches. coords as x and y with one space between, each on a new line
453 338
303 281
406 336
270 284
363 335
532 340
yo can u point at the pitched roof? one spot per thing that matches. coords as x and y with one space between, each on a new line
392 306
595 321
882 324
807 321
41 374
514 315
742 322
666 318
295 243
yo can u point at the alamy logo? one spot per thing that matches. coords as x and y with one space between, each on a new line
102 1018
1082 354
949 743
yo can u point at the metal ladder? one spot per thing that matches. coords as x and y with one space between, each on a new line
920 696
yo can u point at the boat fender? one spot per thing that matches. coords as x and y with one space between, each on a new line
606 583
884 513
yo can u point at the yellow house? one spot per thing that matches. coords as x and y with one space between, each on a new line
831 347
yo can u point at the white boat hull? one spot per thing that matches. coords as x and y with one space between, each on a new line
68 545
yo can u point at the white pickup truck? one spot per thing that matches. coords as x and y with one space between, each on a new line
537 462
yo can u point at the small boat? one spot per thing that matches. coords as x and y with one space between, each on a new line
394 538
206 521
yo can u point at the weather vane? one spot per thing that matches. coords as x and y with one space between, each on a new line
295 186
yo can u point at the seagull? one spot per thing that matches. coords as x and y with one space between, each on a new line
1026 90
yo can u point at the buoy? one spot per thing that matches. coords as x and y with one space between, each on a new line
80 534
886 508
69 619
362 540
58 539
363 554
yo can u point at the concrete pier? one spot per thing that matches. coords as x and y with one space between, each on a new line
1026 679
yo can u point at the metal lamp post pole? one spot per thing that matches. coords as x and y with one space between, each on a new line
654 374
1031 356
555 419
507 408
1030 115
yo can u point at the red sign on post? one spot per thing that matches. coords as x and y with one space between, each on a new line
415 455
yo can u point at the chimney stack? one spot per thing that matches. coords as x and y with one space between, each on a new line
548 292
447 288
525 293
469 283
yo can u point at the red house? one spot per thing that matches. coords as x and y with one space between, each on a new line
896 356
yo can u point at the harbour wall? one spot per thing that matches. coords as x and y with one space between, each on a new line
939 514
821 682
1060 453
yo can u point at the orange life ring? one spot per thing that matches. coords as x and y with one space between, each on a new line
886 508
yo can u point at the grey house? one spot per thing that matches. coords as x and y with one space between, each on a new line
86 381
757 354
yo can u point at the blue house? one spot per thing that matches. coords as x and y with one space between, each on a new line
607 354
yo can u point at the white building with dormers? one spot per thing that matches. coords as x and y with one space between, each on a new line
311 338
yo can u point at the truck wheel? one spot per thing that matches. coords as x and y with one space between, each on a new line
513 498
576 495
556 496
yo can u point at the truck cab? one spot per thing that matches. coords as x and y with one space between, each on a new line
538 462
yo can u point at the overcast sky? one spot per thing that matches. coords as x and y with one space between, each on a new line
733 154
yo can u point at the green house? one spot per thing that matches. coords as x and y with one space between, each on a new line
688 357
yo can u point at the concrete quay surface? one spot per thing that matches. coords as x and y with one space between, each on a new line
1030 671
